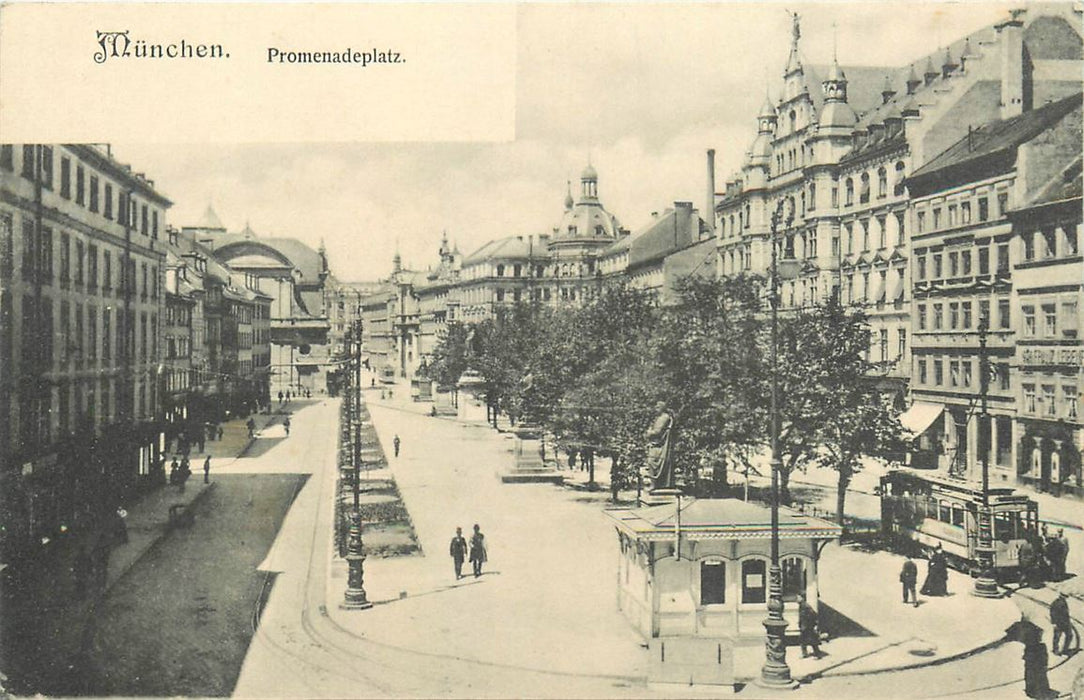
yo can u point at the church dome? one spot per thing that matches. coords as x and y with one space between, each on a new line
586 219
589 173
837 114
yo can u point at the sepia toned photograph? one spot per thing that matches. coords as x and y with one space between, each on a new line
532 350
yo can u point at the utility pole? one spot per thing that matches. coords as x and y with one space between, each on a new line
775 673
355 598
985 584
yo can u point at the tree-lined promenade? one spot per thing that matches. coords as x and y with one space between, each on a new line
591 376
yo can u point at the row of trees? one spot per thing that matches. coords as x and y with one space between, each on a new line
592 375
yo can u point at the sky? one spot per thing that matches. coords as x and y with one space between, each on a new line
642 91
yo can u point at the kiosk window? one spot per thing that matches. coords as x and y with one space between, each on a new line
957 516
945 514
712 582
754 583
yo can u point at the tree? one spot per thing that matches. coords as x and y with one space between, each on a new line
450 356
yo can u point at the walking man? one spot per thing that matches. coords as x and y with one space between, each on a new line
395 443
286 424
458 550
207 470
908 577
477 551
807 626
280 398
1063 625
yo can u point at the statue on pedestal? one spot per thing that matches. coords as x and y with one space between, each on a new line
660 461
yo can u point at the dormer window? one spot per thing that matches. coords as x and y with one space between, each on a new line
600 230
572 230
500 271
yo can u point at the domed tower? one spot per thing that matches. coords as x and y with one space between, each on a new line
836 113
585 222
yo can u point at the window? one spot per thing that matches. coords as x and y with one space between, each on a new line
938 317
1071 398
65 258
897 189
882 225
863 194
920 267
1002 203
922 317
901 343
952 215
754 584
965 262
1071 243
921 221
812 197
883 344
27 265
108 213
965 315
154 224
937 267
7 157
922 378
107 336
864 225
79 255
500 271
848 187
965 213
144 221
28 162
107 272
954 373
1050 408
984 209
1029 398
954 315
937 218
835 197
712 582
1003 378
93 193
122 209
92 333
7 245
92 267
66 178
1029 319
984 260
938 372
45 261
882 183
1004 313
47 167
1003 258
1050 318
965 365
953 264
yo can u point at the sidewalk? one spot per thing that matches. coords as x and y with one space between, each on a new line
45 614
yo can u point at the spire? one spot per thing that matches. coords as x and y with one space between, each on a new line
887 91
397 260
210 219
248 233
767 118
912 81
794 62
568 195
930 73
948 65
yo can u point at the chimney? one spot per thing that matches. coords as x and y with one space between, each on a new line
709 211
1011 35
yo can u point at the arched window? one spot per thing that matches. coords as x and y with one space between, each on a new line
897 187
500 271
863 193
882 182
793 120
848 188
747 217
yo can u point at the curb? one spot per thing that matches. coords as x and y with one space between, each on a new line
906 667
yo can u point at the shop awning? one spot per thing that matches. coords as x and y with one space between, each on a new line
920 416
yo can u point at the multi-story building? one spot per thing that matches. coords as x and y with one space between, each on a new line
1047 275
182 300
836 151
676 244
80 305
965 258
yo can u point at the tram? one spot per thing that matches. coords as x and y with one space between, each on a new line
925 509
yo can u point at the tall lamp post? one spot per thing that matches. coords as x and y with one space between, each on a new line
355 598
775 673
985 584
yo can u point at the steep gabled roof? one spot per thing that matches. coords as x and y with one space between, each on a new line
509 247
977 155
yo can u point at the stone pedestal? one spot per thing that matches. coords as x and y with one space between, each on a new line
528 465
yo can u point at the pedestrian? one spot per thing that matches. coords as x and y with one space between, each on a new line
807 627
174 471
207 470
458 550
1025 559
201 440
220 431
477 551
251 425
286 424
280 398
908 577
1052 554
395 443
936 583
120 528
391 394
372 382
287 396
186 471
1063 625
1063 553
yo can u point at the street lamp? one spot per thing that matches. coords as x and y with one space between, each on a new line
775 673
985 584
355 598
